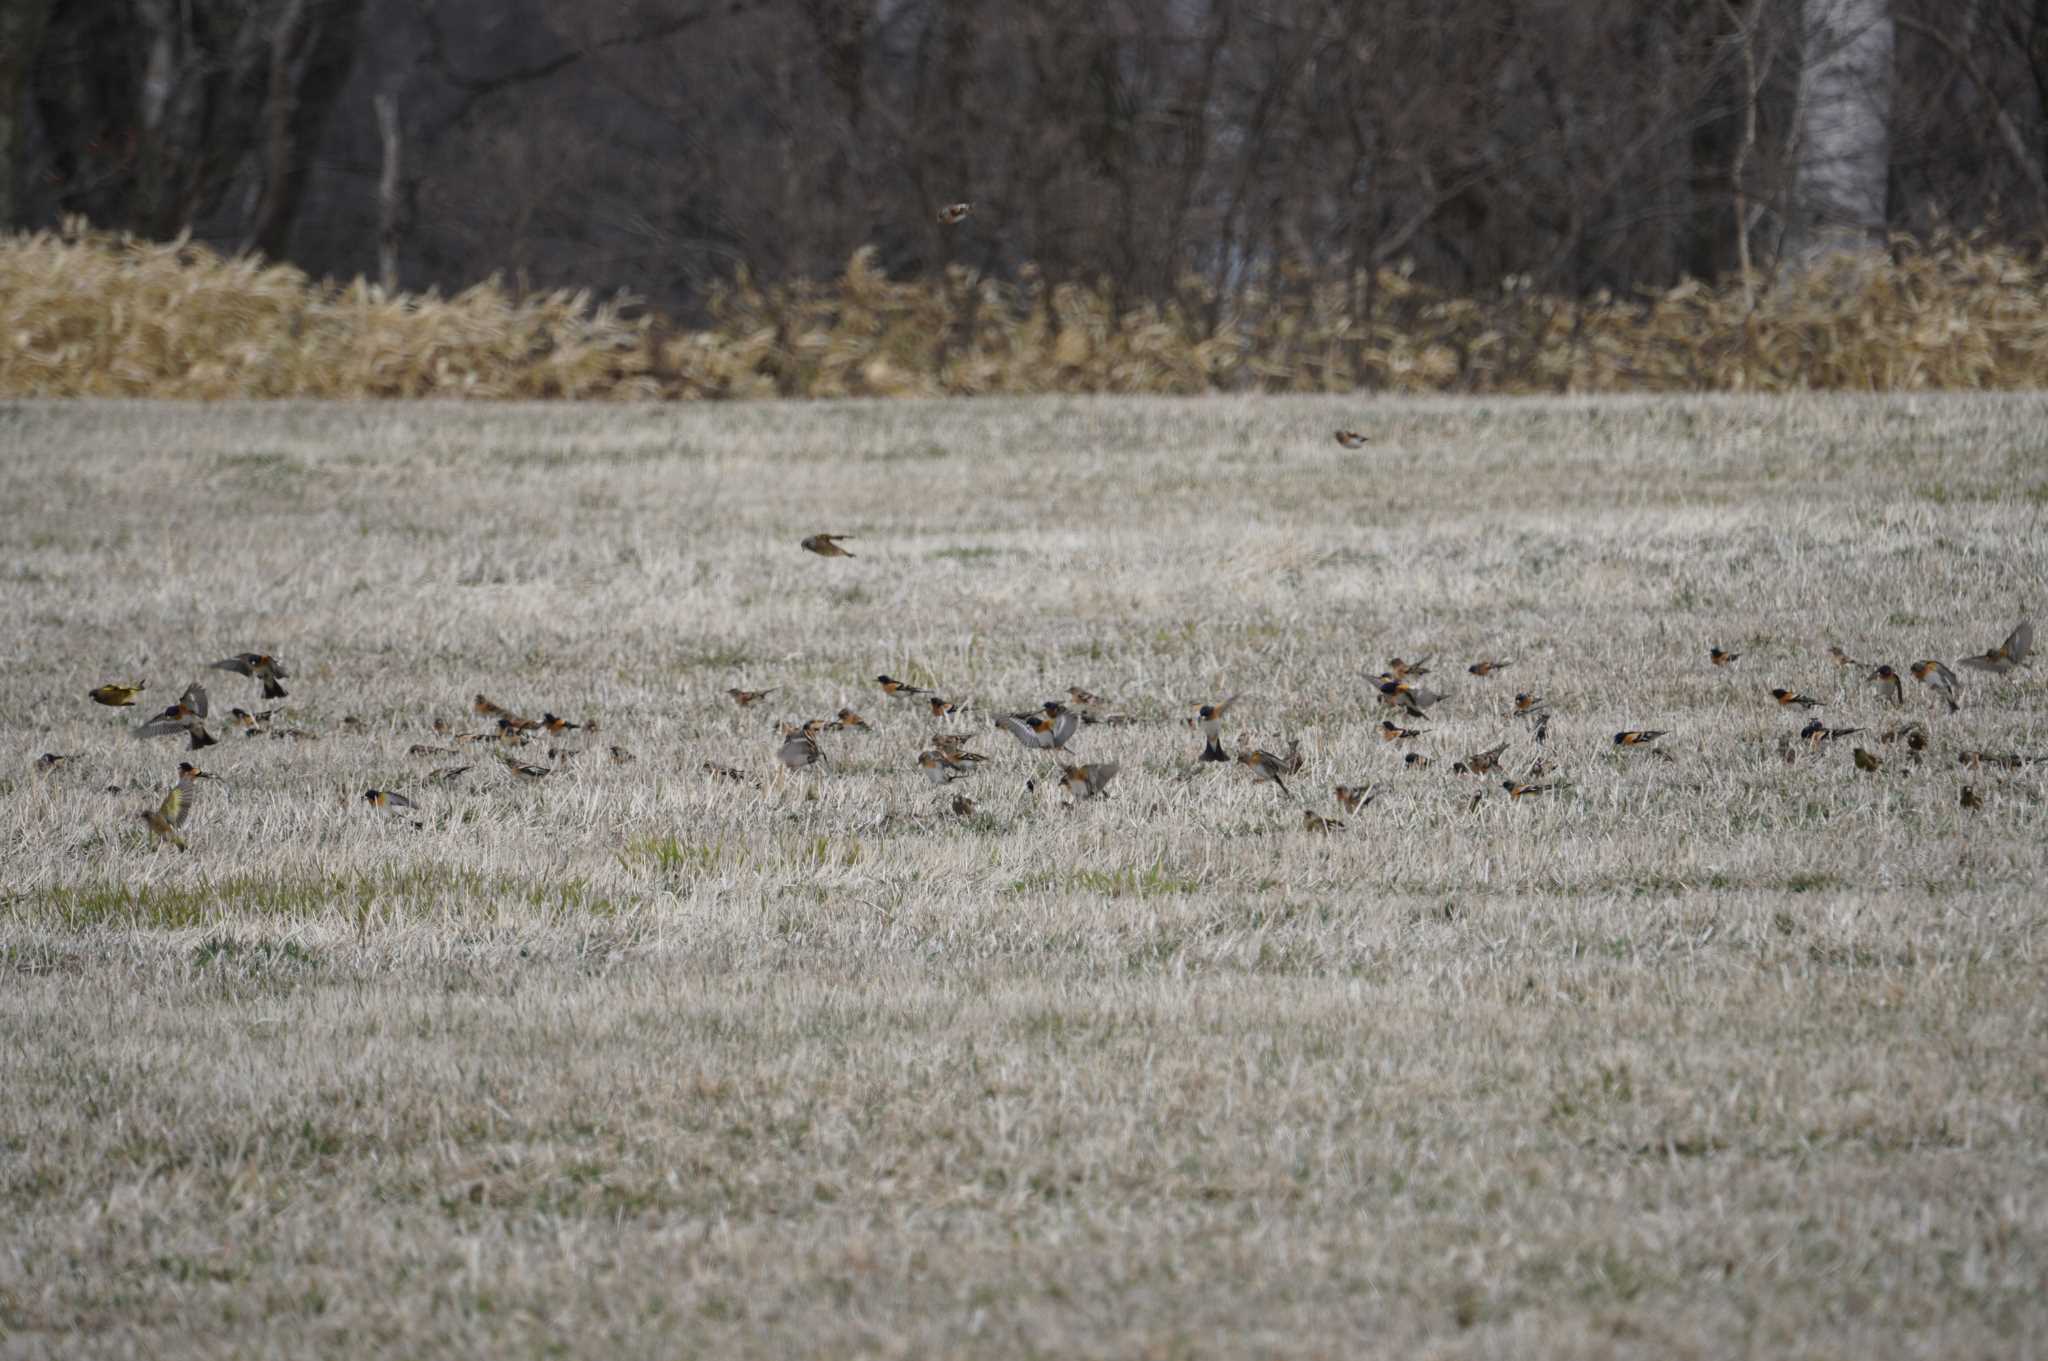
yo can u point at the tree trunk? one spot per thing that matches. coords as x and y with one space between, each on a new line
1844 131
21 37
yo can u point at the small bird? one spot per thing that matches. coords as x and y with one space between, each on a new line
506 718
938 767
187 772
1209 717
116 696
2007 655
50 760
849 721
1039 731
352 724
448 774
954 213
897 689
799 749
1884 678
1415 760
1721 657
525 771
1487 667
620 756
1390 732
1085 782
1084 700
1865 761
1351 439
1639 737
1483 762
1399 694
422 749
1516 789
1399 669
941 707
963 806
1971 799
1526 704
183 717
954 744
1311 821
1939 679
558 725
251 725
726 772
1842 658
510 734
1538 769
387 798
1816 732
745 697
1786 698
263 667
1265 768
1351 798
826 545
165 820
1542 728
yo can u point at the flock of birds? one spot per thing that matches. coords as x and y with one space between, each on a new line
1053 725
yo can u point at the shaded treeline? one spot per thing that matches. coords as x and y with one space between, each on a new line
660 145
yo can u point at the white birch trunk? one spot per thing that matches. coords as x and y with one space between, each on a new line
1844 131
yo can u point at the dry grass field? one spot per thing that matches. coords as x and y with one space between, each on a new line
1713 1056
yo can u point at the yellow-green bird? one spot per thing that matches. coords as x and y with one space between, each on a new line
166 818
115 695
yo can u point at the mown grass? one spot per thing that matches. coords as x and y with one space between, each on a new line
1711 1056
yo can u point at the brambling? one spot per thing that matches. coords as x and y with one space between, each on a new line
1351 439
825 545
1939 679
264 668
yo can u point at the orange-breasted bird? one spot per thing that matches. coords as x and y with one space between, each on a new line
798 750
1401 669
265 668
2007 655
745 697
1085 782
183 717
1787 698
558 725
1639 737
1720 657
1884 678
1415 760
1526 704
1351 439
1210 719
187 772
1939 679
525 771
116 696
1265 768
387 798
1039 731
1391 732
826 545
1516 789
897 689
846 720
939 767
1351 798
941 707
1487 667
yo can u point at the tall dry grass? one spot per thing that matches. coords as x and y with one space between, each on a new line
85 313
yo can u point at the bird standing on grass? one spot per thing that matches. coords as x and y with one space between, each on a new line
826 545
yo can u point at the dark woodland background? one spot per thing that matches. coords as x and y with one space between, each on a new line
660 145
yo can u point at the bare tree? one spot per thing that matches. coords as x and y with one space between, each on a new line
1843 137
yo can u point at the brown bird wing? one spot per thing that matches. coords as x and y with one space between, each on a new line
2020 641
177 805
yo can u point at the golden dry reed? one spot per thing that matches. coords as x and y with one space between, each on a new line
85 313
